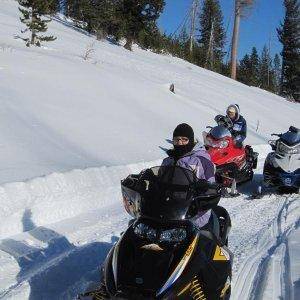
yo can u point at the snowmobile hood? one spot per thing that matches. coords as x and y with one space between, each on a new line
291 138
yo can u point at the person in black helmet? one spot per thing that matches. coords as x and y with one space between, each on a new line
188 154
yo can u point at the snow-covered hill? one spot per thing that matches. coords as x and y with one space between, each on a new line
83 125
60 112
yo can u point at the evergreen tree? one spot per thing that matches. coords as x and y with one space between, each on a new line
212 35
289 36
184 42
136 16
151 38
254 61
84 11
266 71
245 70
34 17
277 73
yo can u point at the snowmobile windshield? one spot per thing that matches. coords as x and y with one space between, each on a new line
219 132
284 148
211 142
168 194
291 138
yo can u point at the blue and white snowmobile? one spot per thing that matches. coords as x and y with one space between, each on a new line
282 165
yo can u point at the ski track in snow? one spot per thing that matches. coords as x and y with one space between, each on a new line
57 260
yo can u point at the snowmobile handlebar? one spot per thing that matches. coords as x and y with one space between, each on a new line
224 121
276 134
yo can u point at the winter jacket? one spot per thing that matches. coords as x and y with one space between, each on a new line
198 161
239 129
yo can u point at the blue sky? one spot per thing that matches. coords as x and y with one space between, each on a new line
256 29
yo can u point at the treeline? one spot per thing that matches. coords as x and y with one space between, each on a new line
135 21
260 70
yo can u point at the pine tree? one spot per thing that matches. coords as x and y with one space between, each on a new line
34 17
264 68
184 41
289 36
136 16
266 71
245 70
212 35
277 73
254 61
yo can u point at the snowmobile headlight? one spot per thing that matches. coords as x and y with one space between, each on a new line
293 151
282 148
223 144
145 231
173 235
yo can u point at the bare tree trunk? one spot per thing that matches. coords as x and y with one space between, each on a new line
128 44
209 54
235 38
193 26
33 32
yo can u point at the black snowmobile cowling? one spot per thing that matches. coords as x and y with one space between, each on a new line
163 255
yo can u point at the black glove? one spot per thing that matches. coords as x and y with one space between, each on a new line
219 119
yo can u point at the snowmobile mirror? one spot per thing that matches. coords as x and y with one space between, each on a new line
294 129
276 134
272 143
210 127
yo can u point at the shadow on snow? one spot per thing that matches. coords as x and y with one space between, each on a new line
61 269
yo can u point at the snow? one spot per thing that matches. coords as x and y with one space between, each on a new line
72 129
60 112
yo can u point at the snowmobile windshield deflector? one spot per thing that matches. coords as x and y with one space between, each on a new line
220 132
168 195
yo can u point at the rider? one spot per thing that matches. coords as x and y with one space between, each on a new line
239 125
189 154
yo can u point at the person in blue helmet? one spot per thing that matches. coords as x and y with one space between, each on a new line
238 128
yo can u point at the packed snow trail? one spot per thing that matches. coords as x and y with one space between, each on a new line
59 259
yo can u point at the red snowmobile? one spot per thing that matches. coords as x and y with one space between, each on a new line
234 164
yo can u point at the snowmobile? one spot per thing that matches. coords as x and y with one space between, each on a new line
234 163
163 254
282 165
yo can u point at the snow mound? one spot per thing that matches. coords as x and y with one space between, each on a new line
60 196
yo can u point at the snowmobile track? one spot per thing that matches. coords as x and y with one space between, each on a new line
264 256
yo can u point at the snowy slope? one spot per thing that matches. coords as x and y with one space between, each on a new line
59 112
83 126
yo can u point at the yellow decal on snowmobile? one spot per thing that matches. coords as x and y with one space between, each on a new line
197 292
153 247
180 267
221 254
184 289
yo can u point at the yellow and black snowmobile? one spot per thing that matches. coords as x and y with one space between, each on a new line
163 254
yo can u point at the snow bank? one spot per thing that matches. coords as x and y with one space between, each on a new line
60 196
